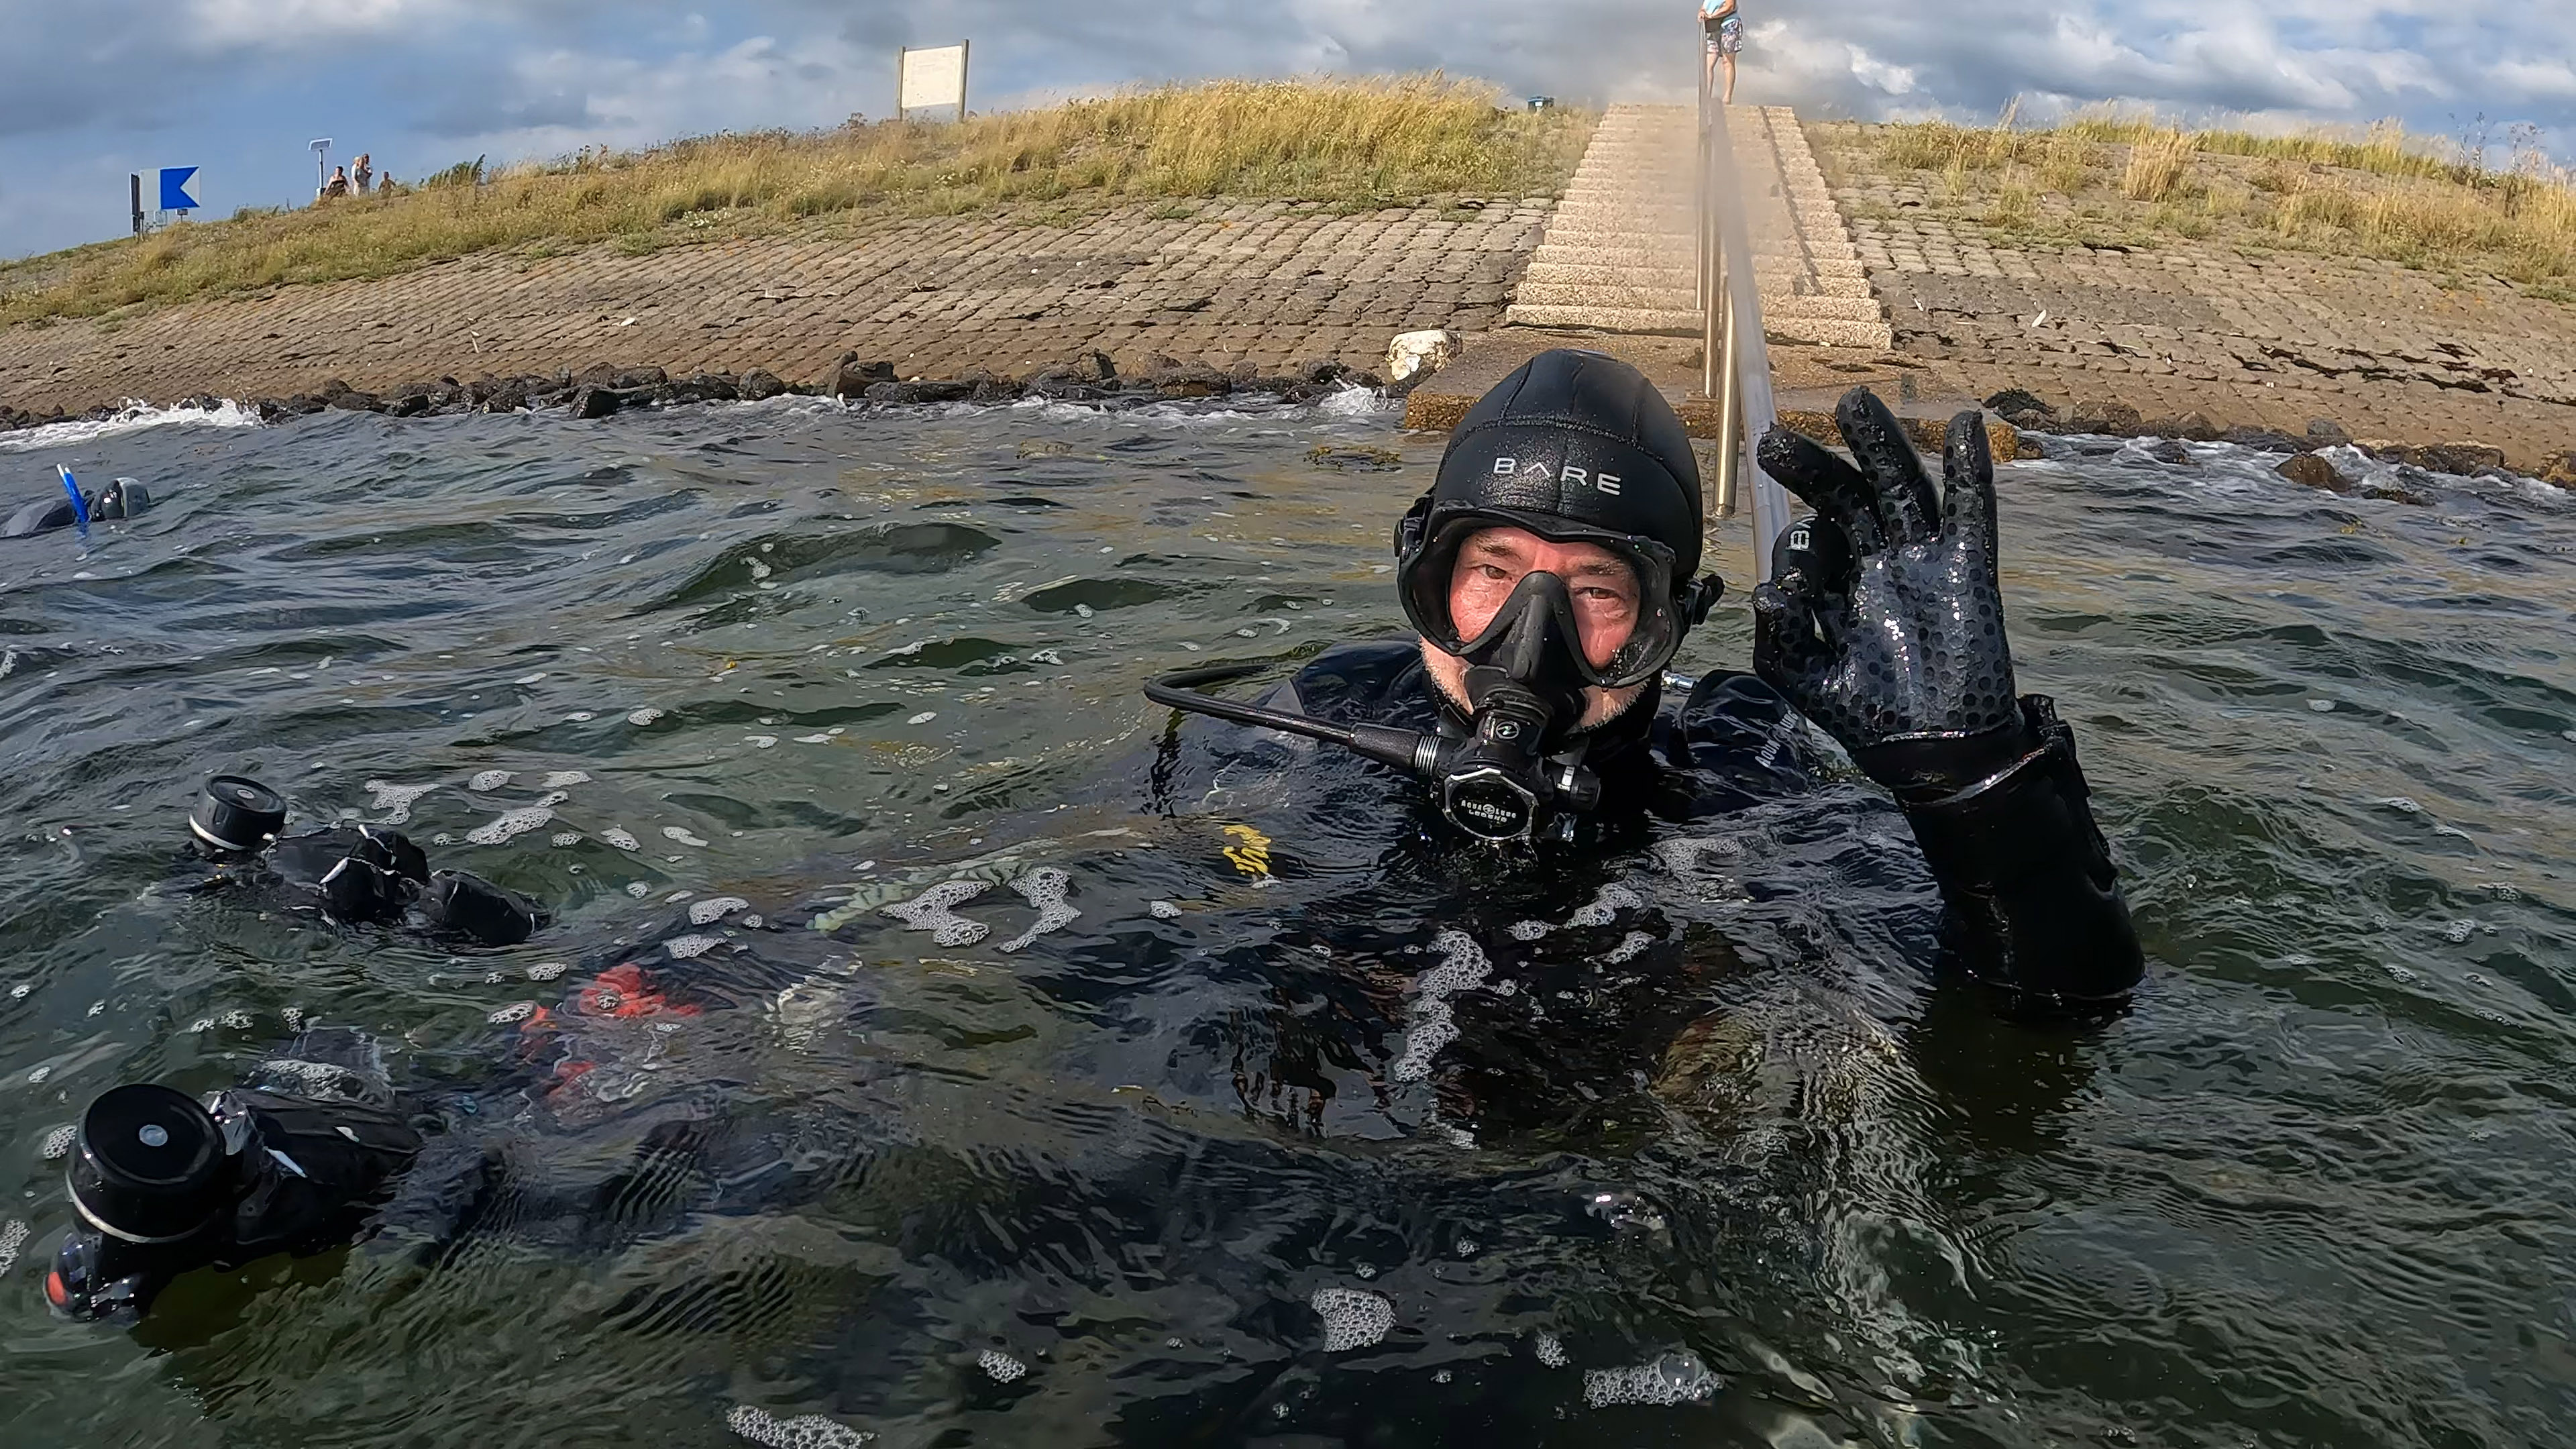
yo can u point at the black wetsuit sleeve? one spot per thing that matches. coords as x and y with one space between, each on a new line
2034 903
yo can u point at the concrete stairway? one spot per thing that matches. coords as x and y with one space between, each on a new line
1619 251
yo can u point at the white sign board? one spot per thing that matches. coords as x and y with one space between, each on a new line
931 77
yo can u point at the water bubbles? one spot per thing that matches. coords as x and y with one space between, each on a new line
1352 1319
1083 611
759 570
1528 930
563 780
580 716
512 824
13 1236
816 739
1676 1378
545 971
19 991
2459 931
237 1019
715 908
1163 910
1551 1350
58 1143
923 718
395 801
642 717
1043 888
487 781
1625 1212
294 1018
1001 1366
638 889
1050 656
37 1077
515 1011
1433 1026
761 742
810 1431
934 910
529 678
681 834
1364 1271
2400 804
1467 1247
618 836
1606 906
1628 948
690 947
2322 706
563 838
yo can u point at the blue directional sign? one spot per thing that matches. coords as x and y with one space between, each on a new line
179 188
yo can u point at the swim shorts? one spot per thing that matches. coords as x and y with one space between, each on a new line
1726 36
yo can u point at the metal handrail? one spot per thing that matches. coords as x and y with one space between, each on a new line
1735 363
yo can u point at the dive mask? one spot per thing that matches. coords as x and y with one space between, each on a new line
1428 542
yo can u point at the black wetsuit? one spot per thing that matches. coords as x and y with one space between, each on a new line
2033 901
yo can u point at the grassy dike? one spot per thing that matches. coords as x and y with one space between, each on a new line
2111 178
1366 142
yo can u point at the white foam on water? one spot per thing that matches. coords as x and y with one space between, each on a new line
58 1143
294 1018
512 825
934 910
1163 910
1000 1365
681 834
618 836
562 838
580 716
134 417
395 801
923 718
1352 1318
684 948
1606 906
13 1235
487 781
810 1431
1043 888
638 889
761 742
1434 1026
515 1011
1551 1350
1628 948
19 991
643 716
545 971
563 779
715 908
1529 930
1676 1378
37 1077
813 739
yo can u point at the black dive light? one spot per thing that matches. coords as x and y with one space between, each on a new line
1494 784
237 815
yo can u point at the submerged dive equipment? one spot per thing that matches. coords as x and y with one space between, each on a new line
238 814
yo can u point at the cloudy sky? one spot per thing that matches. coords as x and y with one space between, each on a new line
93 90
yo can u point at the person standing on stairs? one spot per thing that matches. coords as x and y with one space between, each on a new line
1724 29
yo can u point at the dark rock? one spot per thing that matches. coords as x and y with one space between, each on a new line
412 404
2310 471
853 378
1096 367
2464 459
2195 428
1321 372
2264 440
2398 493
920 390
759 386
1172 378
2169 450
2006 403
1244 373
1063 384
2560 470
635 377
598 374
992 389
506 395
2112 419
2327 433
597 402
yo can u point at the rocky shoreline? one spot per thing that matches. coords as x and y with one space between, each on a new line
605 389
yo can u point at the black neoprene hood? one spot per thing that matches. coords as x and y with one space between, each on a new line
1579 437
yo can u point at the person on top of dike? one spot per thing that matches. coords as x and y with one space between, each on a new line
1550 575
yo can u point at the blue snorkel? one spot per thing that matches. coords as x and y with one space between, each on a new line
80 507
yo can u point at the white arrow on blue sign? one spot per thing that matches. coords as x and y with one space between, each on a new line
179 188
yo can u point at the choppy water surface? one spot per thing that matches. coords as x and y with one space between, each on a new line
1299 1132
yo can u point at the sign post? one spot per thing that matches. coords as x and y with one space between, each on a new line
322 163
134 181
932 76
179 188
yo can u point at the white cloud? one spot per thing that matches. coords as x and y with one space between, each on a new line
303 24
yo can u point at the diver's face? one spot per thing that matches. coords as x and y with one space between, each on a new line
1493 562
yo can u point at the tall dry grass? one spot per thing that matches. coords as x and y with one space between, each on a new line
2379 192
1350 141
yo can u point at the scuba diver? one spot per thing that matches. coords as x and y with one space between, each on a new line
124 498
1551 573
350 874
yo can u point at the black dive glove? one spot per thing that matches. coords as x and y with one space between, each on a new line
1884 624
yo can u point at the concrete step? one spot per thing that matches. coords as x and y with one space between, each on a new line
1613 295
1876 336
1607 319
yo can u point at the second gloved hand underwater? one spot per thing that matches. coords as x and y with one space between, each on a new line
1883 622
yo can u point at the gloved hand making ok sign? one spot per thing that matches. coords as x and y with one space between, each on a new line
1883 622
